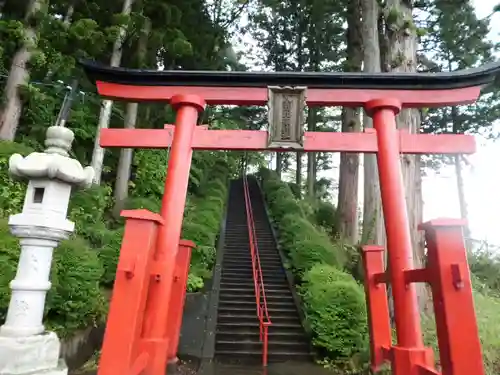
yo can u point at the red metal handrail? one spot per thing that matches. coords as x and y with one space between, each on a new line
262 313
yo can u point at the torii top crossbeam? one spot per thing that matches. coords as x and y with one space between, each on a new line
315 89
324 89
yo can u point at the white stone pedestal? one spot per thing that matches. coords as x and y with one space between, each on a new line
37 355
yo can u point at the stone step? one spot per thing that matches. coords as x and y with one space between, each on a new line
249 284
289 303
236 317
254 344
251 308
254 327
231 296
255 356
237 334
239 276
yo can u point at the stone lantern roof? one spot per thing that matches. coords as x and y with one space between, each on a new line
54 162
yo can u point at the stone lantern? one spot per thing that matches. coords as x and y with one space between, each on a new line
25 346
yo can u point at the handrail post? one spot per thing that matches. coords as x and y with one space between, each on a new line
264 349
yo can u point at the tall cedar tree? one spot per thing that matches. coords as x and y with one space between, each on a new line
347 207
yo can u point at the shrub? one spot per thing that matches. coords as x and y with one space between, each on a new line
335 311
202 227
281 202
208 214
87 208
150 204
12 191
9 256
485 265
306 245
305 242
150 173
306 253
202 223
197 232
75 300
326 217
295 189
109 252
194 283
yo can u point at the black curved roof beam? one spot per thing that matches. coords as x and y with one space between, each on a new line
481 76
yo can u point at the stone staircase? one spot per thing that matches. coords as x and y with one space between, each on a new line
237 335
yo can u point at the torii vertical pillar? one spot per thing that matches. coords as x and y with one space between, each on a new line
410 349
155 339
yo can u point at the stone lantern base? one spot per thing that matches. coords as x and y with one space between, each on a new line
33 355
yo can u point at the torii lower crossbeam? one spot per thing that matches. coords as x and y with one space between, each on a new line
256 140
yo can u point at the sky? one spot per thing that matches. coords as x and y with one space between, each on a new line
482 178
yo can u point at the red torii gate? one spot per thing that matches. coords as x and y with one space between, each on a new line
155 311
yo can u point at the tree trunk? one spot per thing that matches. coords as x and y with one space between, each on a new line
18 76
124 163
373 223
403 58
298 172
311 156
126 154
460 181
279 163
301 27
347 206
69 12
107 105
461 199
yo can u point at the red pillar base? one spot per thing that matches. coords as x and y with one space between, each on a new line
378 308
456 324
178 297
157 351
407 361
172 366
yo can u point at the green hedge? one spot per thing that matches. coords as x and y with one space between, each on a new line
334 303
306 243
12 191
75 300
202 223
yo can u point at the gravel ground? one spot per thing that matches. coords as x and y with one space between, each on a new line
187 368
184 368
